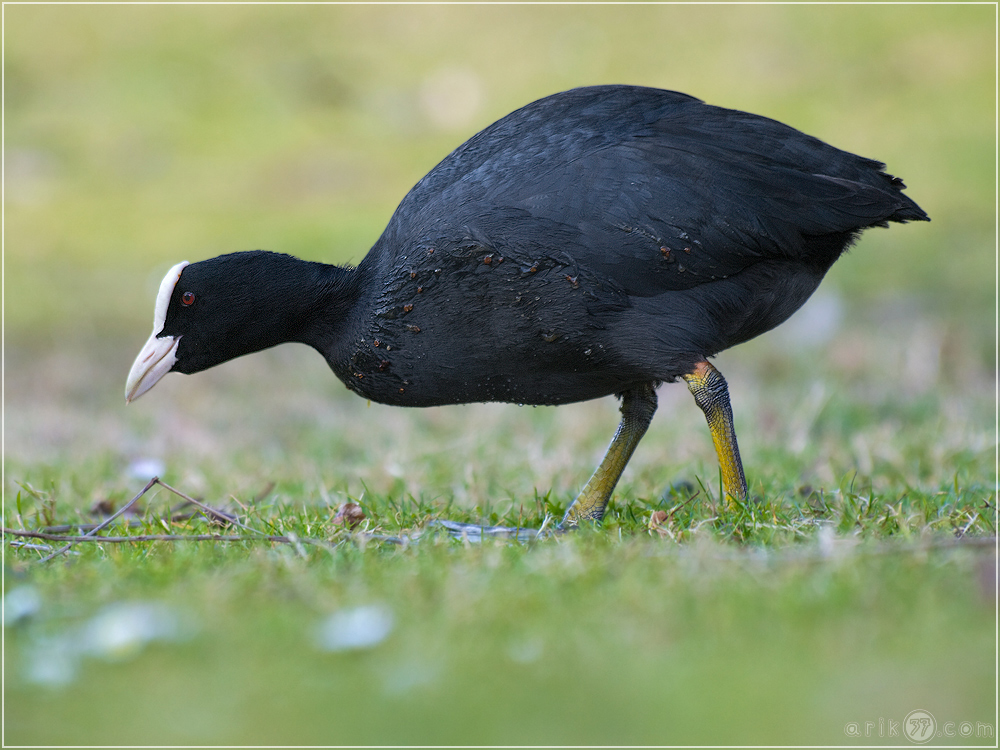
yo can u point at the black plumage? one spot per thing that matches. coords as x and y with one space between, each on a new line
598 241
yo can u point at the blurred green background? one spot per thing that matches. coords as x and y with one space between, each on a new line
138 136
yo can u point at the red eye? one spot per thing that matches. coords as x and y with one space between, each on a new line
187 299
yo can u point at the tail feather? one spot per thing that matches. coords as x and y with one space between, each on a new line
909 210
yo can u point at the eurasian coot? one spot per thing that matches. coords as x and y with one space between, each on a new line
599 241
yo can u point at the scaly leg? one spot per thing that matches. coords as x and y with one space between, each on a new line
638 406
711 393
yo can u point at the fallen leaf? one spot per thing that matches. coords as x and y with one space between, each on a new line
657 523
350 515
103 507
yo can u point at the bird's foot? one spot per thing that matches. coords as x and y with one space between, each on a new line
474 532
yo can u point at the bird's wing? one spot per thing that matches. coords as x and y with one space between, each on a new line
661 192
656 218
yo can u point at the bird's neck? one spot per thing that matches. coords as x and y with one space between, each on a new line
326 312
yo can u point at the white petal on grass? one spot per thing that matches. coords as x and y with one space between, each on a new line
52 662
122 630
357 628
20 603
146 468
117 632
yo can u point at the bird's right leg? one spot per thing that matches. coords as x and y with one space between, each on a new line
712 394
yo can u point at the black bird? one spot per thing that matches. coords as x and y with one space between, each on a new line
599 241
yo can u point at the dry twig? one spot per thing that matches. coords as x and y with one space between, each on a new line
157 538
106 522
211 513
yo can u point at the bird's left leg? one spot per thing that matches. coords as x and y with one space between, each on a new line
638 407
712 394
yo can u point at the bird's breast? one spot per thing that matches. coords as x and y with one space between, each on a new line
472 324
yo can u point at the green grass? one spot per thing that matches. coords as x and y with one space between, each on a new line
822 603
854 586
589 640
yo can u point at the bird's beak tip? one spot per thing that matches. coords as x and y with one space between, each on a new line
153 362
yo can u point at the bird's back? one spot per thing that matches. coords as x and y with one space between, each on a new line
639 183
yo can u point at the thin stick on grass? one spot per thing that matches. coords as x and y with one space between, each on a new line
279 539
156 538
212 512
93 536
173 515
107 521
881 549
36 547
285 539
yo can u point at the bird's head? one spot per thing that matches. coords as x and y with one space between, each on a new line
212 311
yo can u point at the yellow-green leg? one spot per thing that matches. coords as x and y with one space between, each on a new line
638 406
711 393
